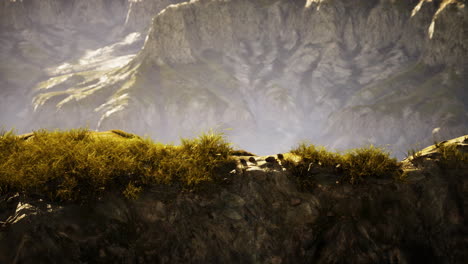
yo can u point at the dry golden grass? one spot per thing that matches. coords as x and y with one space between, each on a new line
79 164
354 166
451 156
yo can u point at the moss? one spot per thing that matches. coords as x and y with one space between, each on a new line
80 165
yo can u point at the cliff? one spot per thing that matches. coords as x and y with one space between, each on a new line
257 214
339 72
141 12
42 39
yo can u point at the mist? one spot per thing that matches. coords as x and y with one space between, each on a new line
268 74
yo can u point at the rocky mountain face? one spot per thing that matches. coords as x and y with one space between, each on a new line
340 73
46 38
141 12
36 35
258 215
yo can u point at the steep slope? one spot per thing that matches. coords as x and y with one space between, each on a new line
341 72
36 35
141 12
46 38
258 215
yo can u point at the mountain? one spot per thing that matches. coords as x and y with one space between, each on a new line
46 38
257 214
341 73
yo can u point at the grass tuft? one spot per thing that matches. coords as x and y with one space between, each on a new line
78 165
317 155
354 166
413 154
369 162
451 156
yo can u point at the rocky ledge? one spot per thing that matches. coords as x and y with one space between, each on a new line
258 215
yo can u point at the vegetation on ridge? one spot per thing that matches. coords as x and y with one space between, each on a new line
361 164
77 165
353 166
451 156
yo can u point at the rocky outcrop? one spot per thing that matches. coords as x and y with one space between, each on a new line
46 38
141 12
39 34
258 215
340 72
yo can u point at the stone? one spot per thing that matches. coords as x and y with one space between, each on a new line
295 201
243 162
232 214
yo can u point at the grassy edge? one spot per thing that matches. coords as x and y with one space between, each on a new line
80 165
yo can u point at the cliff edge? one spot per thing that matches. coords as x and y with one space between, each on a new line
258 214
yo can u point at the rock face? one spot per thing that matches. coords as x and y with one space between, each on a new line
46 38
37 35
257 216
344 73
141 12
22 14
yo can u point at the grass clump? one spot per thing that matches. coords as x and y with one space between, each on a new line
317 155
413 154
369 162
201 157
354 166
9 143
451 157
78 165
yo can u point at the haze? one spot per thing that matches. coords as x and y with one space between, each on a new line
268 73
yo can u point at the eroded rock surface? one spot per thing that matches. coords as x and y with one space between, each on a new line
258 215
42 39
